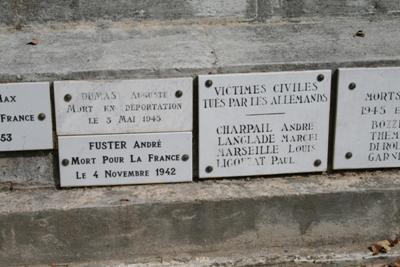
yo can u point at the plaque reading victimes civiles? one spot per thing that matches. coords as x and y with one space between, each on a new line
263 123
123 106
125 159
25 117
367 131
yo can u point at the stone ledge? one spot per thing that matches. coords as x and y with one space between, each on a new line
23 12
36 200
129 50
19 13
320 8
117 223
28 169
343 256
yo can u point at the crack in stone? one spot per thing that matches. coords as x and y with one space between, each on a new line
212 48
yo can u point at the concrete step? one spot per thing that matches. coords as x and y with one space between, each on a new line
18 13
346 256
265 219
131 50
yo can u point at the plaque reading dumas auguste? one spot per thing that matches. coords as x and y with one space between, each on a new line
123 106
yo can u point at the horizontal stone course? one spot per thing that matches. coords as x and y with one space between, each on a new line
320 8
22 12
27 169
128 51
46 226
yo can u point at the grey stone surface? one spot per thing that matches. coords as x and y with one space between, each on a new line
326 256
102 51
27 169
22 12
268 9
197 219
306 45
130 50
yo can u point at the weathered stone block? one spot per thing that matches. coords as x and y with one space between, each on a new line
21 12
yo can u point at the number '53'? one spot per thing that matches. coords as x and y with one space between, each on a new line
5 137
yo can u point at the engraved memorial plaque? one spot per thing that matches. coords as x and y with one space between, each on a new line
263 123
25 117
367 133
125 106
125 159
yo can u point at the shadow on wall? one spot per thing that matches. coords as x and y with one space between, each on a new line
41 11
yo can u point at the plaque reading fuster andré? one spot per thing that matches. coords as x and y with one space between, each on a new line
126 106
125 159
263 123
25 117
368 119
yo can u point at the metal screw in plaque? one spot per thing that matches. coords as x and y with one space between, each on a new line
317 163
209 169
208 83
67 98
352 86
41 116
178 94
348 155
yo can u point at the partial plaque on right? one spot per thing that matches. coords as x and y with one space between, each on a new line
367 131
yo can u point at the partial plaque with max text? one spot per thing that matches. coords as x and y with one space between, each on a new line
25 117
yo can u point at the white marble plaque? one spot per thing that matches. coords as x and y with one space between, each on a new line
123 106
263 123
367 133
125 159
25 117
